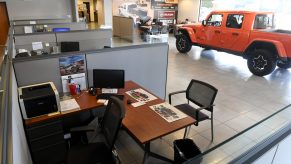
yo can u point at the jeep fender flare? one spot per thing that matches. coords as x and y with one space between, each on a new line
189 33
275 47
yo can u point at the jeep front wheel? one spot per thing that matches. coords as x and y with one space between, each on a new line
183 44
261 62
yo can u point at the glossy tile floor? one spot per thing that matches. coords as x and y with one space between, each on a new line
243 99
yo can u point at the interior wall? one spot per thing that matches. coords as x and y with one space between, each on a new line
107 12
39 9
188 9
20 152
4 24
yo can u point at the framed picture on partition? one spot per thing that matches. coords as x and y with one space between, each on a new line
73 71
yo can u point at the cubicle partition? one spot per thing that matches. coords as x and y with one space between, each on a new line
19 29
88 39
145 64
41 21
24 41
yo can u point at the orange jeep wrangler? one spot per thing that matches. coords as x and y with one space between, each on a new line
245 33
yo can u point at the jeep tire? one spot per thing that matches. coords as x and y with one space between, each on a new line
183 44
261 62
283 65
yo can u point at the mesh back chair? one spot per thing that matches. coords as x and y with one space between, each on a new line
201 94
101 152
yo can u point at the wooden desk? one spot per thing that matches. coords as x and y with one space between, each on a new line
142 123
85 101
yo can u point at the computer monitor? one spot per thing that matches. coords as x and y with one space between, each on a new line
69 46
108 78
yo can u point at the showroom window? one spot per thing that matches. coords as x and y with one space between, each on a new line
234 21
263 21
281 8
214 20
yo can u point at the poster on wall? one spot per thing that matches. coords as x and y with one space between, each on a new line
134 9
72 70
163 10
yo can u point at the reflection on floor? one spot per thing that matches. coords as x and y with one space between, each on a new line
243 99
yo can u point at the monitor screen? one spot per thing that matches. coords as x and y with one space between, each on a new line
70 46
61 29
105 78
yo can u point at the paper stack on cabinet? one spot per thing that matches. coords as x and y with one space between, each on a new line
69 105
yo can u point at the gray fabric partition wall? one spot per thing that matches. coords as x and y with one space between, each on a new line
19 29
144 64
88 39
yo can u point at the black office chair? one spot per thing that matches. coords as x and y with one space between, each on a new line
201 94
101 152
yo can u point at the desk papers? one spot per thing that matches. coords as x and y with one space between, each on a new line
168 112
141 95
68 105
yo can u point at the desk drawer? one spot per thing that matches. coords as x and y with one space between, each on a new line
54 154
46 141
44 129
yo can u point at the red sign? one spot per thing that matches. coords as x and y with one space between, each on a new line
166 14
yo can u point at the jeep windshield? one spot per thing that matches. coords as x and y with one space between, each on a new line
264 21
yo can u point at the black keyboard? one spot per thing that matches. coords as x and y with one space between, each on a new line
108 95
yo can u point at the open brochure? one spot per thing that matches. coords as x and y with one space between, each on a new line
141 95
68 105
168 112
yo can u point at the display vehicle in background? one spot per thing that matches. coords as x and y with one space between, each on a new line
130 9
249 34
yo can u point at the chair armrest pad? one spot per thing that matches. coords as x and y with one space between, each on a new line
177 92
173 93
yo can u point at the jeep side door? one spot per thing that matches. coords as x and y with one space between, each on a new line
234 35
210 33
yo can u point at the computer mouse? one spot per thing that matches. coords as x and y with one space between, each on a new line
129 101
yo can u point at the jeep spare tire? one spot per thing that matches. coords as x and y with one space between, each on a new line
183 44
261 62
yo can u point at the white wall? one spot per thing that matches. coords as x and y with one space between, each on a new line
188 9
39 9
20 150
107 12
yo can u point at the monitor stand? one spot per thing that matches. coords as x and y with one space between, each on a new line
109 90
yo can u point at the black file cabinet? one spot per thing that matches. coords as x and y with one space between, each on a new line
46 142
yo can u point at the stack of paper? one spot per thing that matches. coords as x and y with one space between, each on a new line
68 105
168 112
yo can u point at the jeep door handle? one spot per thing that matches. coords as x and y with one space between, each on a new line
217 32
235 34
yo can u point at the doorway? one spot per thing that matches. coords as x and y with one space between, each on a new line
88 11
4 23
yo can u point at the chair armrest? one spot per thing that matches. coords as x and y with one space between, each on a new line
81 129
174 93
203 107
